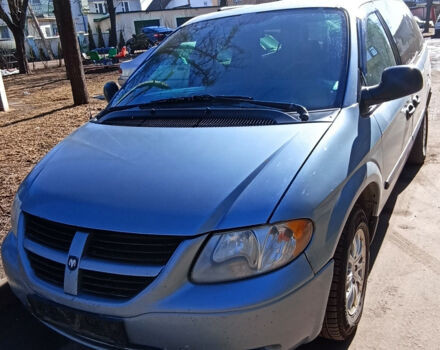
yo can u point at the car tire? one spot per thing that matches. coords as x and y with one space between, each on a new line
351 267
418 152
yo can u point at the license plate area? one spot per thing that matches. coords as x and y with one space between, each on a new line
92 327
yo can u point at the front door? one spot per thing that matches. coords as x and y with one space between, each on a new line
396 126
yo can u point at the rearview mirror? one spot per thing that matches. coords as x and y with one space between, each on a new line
110 89
397 82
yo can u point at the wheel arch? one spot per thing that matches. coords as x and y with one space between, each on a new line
363 188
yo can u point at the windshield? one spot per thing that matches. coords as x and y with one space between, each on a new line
295 56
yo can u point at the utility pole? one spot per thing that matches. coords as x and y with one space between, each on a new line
4 106
71 52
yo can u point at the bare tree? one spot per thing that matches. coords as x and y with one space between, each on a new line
16 21
71 53
112 41
428 16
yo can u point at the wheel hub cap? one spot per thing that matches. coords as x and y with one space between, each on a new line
355 276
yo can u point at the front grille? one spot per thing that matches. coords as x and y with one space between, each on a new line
132 248
47 270
49 233
112 285
107 246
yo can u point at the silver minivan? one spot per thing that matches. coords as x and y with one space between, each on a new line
228 195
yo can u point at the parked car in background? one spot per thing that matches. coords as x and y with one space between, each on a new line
128 67
156 34
227 196
150 36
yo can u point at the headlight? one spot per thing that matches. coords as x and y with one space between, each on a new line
249 252
15 214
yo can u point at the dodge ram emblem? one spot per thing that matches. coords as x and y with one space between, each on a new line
72 263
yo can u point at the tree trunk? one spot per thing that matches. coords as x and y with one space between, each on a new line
71 52
428 15
112 41
20 51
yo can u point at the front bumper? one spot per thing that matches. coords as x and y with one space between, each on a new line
278 310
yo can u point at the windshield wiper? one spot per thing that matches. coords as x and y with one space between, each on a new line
291 107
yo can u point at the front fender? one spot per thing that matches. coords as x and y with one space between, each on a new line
329 227
343 164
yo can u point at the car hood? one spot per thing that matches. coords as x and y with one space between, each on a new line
176 181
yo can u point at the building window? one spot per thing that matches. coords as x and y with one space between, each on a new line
181 20
100 7
54 30
4 33
124 6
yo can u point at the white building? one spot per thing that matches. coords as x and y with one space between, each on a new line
100 6
80 9
43 10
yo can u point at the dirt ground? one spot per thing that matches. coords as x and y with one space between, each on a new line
41 115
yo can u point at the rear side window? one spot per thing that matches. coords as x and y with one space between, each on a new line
403 27
377 50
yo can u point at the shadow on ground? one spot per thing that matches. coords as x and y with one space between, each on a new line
41 115
20 330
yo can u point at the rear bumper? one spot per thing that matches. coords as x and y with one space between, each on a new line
279 310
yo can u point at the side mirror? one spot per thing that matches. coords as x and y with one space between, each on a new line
110 89
397 82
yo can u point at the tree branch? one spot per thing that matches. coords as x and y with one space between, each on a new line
4 16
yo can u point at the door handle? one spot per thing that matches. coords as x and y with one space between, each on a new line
409 110
416 100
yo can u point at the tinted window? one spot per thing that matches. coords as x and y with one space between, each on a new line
377 50
297 56
403 27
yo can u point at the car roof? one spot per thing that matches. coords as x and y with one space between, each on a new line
157 28
278 5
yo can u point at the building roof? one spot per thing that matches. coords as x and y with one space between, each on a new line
157 5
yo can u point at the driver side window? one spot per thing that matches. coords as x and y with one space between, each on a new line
378 51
